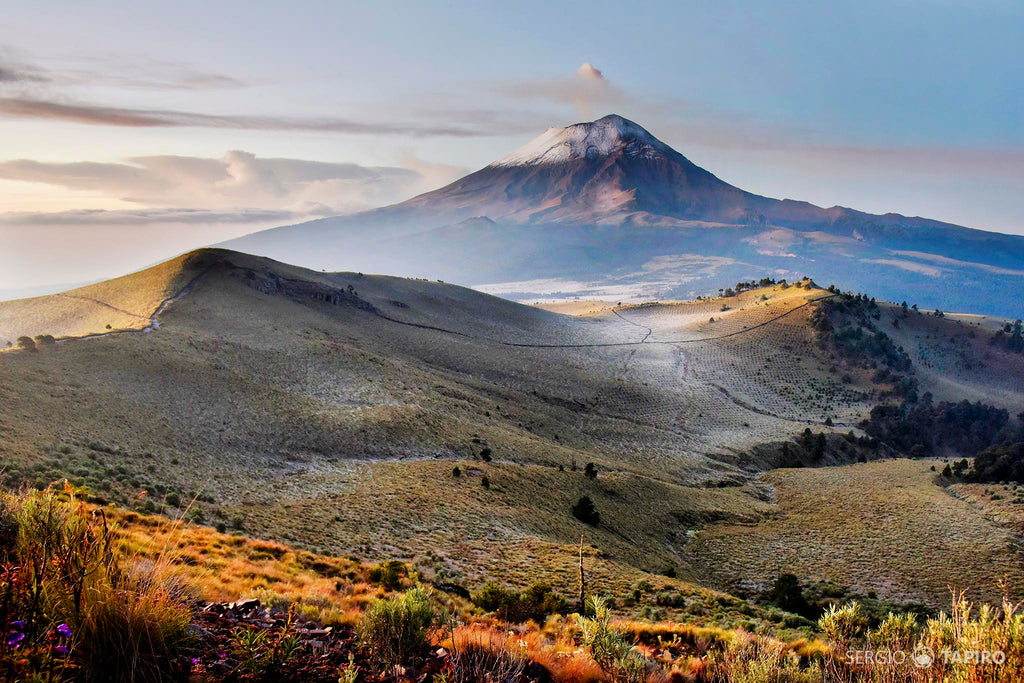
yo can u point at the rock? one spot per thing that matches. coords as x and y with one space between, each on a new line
243 606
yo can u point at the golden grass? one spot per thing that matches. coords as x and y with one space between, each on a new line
224 567
887 526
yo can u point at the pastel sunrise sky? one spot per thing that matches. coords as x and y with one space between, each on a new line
134 131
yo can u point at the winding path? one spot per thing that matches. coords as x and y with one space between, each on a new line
672 342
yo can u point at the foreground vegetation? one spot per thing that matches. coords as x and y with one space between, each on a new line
96 594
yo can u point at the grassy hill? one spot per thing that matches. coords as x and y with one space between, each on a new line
330 410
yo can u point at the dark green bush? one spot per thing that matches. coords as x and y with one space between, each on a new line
536 602
388 575
585 511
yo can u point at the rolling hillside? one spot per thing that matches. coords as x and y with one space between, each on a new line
330 410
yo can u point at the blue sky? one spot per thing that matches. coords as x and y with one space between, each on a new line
189 122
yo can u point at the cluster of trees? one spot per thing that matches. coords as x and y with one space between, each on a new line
847 324
1004 462
811 600
30 344
863 341
745 285
1010 337
924 429
811 449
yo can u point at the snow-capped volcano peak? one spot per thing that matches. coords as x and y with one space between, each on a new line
595 139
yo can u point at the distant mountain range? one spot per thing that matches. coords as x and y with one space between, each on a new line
606 210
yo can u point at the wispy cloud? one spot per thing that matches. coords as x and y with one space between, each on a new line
69 93
97 115
239 178
19 74
112 70
142 217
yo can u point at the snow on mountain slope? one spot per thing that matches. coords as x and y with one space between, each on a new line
586 141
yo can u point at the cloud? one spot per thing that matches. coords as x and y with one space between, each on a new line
96 115
586 90
907 265
237 179
112 70
145 217
11 73
588 72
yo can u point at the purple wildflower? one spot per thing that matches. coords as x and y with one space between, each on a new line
223 655
64 630
19 625
63 649
195 660
14 639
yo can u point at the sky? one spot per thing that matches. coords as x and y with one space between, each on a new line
130 132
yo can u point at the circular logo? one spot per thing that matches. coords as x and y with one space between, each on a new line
923 657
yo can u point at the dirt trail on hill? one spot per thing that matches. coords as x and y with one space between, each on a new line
153 318
635 324
528 345
101 303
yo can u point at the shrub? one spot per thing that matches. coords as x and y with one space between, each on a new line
609 646
787 594
26 343
395 629
482 656
262 653
757 659
388 575
585 511
590 470
133 631
79 604
536 602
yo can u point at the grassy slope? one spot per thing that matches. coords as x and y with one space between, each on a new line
122 303
332 428
888 526
954 360
332 589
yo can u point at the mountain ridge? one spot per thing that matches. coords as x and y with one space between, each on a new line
604 202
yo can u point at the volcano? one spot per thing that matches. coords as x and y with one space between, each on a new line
610 171
605 209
